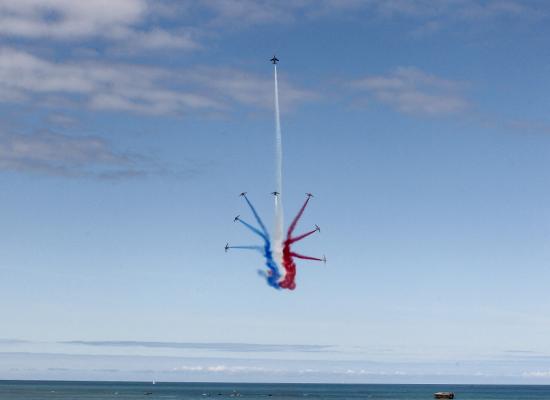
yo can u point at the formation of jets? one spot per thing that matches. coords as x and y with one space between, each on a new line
317 227
276 194
274 61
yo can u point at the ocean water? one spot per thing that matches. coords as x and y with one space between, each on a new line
47 390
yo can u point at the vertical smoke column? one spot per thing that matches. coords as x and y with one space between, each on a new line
279 217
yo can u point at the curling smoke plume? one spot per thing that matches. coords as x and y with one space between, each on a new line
272 275
289 279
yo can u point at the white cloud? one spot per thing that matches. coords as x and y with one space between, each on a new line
458 15
536 374
189 368
365 372
134 88
138 23
57 154
100 86
246 88
213 346
250 12
70 20
67 19
493 9
220 368
47 152
412 91
453 9
159 38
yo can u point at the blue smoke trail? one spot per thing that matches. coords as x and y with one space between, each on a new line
258 219
273 275
256 231
258 248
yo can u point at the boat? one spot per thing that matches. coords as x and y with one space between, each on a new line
444 395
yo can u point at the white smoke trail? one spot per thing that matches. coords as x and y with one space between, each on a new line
279 217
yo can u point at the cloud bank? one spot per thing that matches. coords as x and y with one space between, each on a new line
412 91
119 21
26 78
229 347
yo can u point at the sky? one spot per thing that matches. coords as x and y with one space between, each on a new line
128 129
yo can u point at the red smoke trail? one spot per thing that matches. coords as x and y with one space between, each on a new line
296 219
305 257
298 238
289 265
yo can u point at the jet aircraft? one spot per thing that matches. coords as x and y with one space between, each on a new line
274 60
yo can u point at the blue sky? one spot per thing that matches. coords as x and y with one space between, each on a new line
128 129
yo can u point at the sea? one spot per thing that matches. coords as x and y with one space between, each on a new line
58 390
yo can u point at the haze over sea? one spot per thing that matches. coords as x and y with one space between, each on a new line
128 128
42 390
